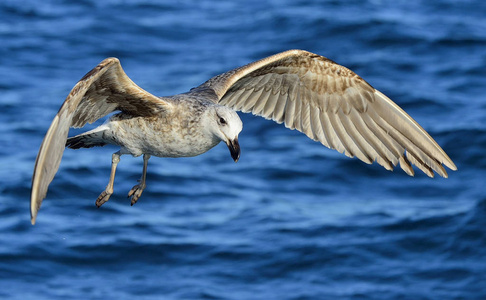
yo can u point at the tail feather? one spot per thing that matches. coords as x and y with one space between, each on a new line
87 140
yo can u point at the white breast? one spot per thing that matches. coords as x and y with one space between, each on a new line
161 137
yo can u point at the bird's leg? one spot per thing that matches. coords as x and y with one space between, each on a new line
137 190
105 195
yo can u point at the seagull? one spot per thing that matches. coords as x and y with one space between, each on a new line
308 92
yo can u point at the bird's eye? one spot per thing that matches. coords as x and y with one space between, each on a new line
222 121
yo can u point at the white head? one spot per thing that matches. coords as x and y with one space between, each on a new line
225 125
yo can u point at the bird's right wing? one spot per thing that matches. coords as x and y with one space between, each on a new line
104 89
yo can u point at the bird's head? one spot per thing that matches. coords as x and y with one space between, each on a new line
226 125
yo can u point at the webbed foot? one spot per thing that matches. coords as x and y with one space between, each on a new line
102 198
136 192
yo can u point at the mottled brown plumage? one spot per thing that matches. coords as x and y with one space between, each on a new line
305 91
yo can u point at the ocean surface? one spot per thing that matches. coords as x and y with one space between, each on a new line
292 219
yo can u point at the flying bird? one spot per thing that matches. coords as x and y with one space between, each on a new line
308 92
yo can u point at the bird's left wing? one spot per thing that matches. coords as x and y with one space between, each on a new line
330 104
104 89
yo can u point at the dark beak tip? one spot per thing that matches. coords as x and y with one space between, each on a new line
235 154
234 148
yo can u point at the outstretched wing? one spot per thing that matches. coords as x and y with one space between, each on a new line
104 89
332 105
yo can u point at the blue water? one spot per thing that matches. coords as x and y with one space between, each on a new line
290 220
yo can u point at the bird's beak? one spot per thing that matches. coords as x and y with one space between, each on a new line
234 148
